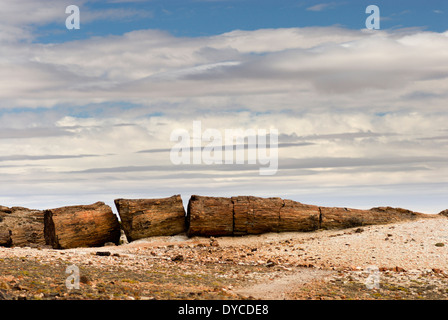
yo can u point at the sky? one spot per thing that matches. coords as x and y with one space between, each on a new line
87 114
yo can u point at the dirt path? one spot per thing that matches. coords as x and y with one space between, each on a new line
411 257
283 288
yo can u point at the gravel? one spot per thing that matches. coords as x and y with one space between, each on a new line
410 258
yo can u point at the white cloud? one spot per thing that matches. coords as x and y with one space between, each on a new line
19 19
322 6
363 107
308 61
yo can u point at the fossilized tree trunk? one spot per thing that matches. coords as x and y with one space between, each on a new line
21 227
142 218
81 226
209 216
243 215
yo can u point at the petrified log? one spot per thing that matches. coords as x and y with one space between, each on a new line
81 226
243 215
209 216
296 216
5 238
444 213
254 215
142 218
340 218
21 227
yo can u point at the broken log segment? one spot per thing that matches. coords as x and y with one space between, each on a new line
340 218
142 218
5 238
81 226
20 227
254 215
444 213
296 216
209 216
244 215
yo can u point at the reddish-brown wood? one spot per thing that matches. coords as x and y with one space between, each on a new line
81 226
142 218
21 227
295 216
210 216
243 215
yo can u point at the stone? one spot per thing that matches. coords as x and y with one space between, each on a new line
103 253
178 258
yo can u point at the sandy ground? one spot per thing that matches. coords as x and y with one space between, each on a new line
408 260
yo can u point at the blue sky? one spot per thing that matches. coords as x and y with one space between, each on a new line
204 18
86 115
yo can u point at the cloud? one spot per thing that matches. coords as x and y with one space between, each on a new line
21 21
42 157
355 110
29 133
322 6
308 61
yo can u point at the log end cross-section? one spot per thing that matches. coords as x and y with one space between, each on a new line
81 226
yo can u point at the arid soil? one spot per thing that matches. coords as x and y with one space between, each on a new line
406 260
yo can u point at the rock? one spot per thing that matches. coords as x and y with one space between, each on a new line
81 226
4 295
178 258
103 253
143 218
270 263
399 269
21 288
123 239
4 285
214 242
84 279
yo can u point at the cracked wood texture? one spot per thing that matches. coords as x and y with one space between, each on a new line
209 216
20 227
142 218
254 215
244 215
81 226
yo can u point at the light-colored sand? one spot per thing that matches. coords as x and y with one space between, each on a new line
417 246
